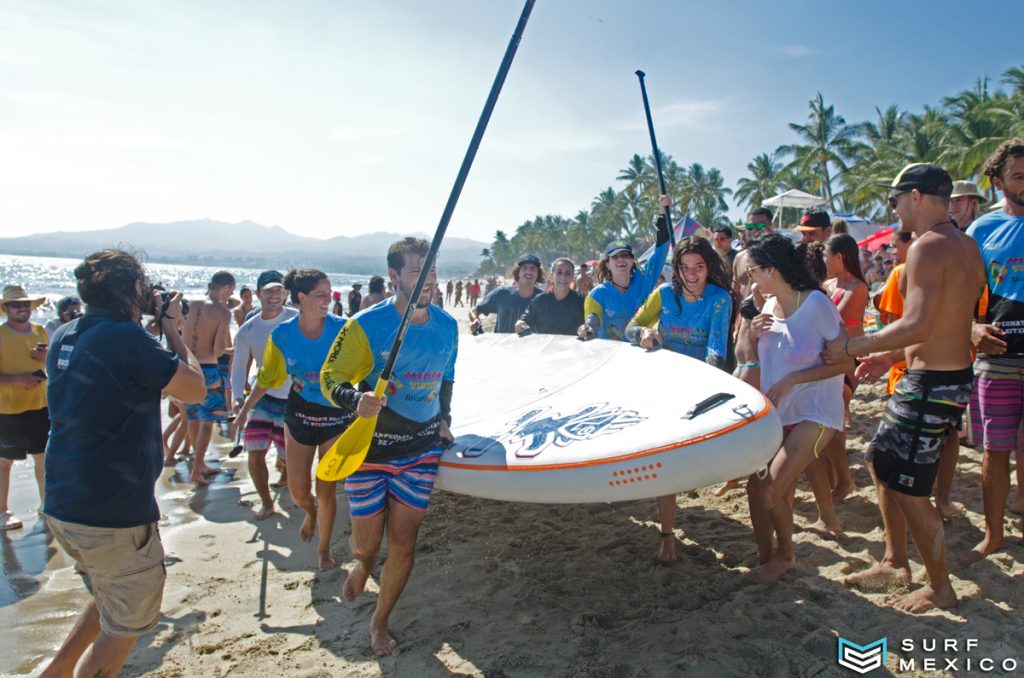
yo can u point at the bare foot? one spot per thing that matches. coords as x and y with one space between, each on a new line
833 526
841 492
199 479
265 512
210 471
281 482
925 599
980 551
949 510
355 582
325 562
770 571
726 487
667 552
1018 504
308 526
170 461
381 641
882 577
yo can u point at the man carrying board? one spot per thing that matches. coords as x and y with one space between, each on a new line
944 278
390 492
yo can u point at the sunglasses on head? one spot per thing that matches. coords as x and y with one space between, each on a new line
18 304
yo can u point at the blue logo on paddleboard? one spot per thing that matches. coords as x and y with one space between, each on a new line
534 431
862 658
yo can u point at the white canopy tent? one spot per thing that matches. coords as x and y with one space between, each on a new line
793 198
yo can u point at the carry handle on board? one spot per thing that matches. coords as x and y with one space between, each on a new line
707 404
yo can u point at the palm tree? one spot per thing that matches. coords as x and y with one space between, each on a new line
703 195
638 173
828 144
766 171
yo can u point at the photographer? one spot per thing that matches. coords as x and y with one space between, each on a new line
105 454
68 309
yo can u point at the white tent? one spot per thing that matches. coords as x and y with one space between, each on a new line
860 227
793 198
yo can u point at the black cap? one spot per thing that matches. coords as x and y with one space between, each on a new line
355 285
928 179
812 220
616 246
268 278
528 259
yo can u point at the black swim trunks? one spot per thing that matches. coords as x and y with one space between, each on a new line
311 423
925 405
24 433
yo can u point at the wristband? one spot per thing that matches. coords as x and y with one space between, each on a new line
846 348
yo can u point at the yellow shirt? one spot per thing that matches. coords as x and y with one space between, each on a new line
16 358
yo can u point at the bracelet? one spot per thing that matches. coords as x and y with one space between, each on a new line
846 348
168 317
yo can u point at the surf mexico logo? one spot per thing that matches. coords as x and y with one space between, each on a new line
538 429
862 658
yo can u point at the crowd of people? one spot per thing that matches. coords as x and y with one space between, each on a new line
785 317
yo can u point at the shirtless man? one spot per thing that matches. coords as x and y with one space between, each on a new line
942 281
207 335
584 281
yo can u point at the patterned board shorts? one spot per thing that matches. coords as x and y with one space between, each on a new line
266 425
214 406
998 407
409 480
925 405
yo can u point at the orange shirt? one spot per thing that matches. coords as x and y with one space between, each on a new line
892 303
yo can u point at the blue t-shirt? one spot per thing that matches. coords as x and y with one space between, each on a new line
615 308
699 329
105 451
289 354
1001 239
508 304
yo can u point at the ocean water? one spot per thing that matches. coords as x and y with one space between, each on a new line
54 278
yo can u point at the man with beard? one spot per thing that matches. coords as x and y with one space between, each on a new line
389 494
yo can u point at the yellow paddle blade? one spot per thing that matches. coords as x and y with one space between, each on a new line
348 452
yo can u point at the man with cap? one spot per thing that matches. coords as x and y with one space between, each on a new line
510 302
355 298
999 338
943 279
24 417
964 203
265 424
815 226
68 309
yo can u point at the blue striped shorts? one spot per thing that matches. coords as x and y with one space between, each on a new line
408 480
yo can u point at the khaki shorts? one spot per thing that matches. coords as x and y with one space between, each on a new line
126 569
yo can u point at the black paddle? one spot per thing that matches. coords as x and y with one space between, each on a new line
657 157
352 445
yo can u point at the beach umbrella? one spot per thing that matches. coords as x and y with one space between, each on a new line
879 238
859 227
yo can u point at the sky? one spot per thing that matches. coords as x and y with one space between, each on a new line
340 118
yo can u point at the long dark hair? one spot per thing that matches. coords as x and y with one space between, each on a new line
303 280
717 273
845 246
106 279
773 250
813 255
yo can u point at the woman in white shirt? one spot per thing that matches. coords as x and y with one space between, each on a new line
792 330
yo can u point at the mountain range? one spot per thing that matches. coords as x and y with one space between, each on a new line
245 244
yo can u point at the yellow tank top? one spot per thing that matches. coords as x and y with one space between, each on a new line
16 358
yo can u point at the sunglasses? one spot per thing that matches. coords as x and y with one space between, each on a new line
757 226
751 269
894 198
18 304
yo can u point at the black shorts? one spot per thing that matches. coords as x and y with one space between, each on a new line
924 407
24 433
313 424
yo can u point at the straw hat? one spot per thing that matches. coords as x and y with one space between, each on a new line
18 293
968 188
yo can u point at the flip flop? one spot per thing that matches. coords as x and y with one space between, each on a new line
9 522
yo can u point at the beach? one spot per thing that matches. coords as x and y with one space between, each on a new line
507 589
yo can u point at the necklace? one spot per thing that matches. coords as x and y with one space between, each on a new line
621 288
940 223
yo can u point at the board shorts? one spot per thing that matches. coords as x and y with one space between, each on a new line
266 425
925 405
998 409
24 433
214 406
126 572
311 423
408 480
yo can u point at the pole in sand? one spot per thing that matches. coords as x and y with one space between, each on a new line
657 157
349 451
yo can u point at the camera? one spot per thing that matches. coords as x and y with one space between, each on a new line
165 298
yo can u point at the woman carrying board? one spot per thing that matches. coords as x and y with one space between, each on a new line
691 315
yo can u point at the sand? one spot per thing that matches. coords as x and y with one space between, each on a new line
505 589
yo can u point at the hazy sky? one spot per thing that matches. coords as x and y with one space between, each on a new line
339 117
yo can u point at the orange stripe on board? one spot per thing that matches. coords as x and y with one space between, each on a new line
615 460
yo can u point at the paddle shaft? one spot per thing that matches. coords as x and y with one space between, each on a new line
460 180
657 156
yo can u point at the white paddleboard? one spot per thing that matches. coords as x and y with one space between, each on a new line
550 419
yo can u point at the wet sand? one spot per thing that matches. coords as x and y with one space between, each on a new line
505 589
